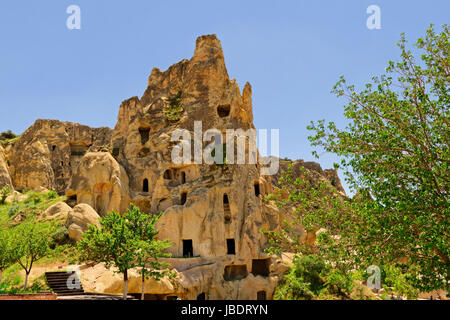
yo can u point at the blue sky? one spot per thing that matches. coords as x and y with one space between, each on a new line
292 52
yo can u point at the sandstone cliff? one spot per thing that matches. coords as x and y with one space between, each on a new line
212 213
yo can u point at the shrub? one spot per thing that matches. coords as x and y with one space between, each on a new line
4 193
51 194
13 210
174 110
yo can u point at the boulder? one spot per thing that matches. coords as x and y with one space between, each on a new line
59 210
79 219
101 182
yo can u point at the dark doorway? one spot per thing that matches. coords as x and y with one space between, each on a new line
201 296
231 248
223 111
188 250
226 209
235 272
145 134
168 174
257 191
261 295
145 185
261 267
183 198
183 177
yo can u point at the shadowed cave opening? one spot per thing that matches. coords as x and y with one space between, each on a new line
183 198
188 249
145 185
261 295
201 296
257 189
235 272
231 246
223 111
226 209
145 134
261 267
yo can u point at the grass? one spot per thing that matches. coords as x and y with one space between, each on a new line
35 204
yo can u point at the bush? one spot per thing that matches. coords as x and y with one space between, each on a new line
13 210
304 280
51 194
4 193
7 135
174 110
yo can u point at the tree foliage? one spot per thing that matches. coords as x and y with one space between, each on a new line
29 242
125 242
395 151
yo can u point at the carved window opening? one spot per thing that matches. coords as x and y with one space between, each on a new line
188 249
168 174
223 111
183 177
261 295
183 198
235 272
261 267
257 189
145 185
201 296
226 209
231 247
145 134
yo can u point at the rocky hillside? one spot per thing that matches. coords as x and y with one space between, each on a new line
212 213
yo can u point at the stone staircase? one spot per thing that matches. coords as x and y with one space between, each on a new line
60 283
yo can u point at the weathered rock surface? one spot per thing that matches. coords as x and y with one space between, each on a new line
212 213
59 210
5 178
47 153
79 219
101 182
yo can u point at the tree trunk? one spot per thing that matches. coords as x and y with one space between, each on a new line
143 284
125 284
26 280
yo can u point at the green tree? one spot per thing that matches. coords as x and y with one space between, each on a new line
395 151
29 243
113 243
6 257
148 249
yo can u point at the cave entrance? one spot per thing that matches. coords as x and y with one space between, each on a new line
231 247
145 134
183 177
261 267
257 189
226 209
183 198
145 185
223 111
168 174
188 249
261 295
235 272
201 296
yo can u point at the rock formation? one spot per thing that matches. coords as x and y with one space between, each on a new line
213 213
5 179
46 154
